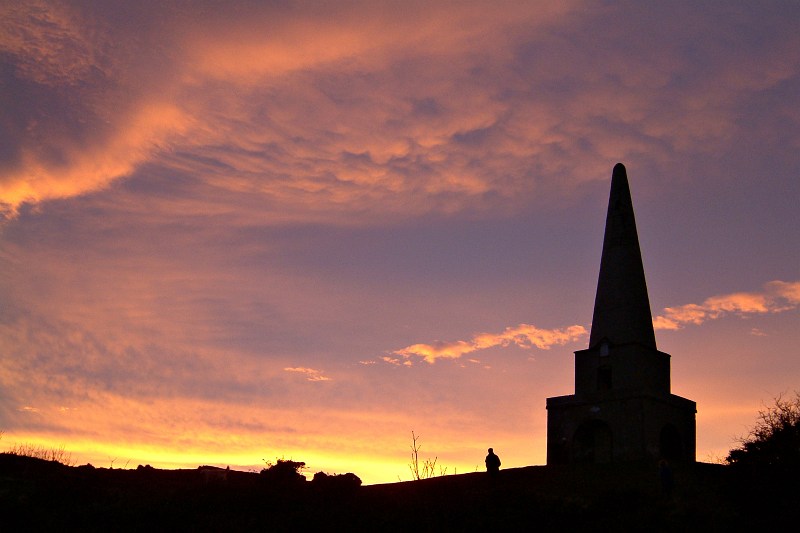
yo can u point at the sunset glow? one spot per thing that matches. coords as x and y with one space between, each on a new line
232 231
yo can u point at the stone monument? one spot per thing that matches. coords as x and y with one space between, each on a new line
622 409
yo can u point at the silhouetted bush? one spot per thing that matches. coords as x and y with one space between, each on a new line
58 455
284 472
339 482
775 439
766 466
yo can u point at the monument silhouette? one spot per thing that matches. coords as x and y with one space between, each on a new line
622 409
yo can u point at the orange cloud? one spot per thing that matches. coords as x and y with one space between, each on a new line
267 41
48 40
311 374
317 117
347 111
84 170
523 335
777 296
95 116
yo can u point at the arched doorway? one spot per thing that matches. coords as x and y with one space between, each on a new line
592 443
670 443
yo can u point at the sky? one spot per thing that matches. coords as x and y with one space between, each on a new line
238 231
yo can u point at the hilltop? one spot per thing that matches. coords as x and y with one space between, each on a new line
46 495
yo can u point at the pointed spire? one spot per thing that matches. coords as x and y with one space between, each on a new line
621 306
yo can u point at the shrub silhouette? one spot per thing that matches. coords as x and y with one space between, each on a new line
428 468
284 472
339 482
775 439
58 455
766 467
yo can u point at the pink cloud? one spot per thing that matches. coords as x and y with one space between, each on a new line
290 116
777 296
311 374
523 335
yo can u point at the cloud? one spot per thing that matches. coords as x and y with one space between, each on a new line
48 42
356 111
310 373
86 111
523 335
268 101
50 361
777 296
396 361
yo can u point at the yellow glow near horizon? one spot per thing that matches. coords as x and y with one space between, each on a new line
370 470
390 467
244 452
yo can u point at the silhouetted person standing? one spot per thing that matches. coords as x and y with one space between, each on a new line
492 463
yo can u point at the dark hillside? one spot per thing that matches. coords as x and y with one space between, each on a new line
37 495
590 497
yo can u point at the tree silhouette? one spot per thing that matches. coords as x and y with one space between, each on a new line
284 472
766 466
775 439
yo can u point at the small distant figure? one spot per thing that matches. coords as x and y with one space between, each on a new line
665 475
492 463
